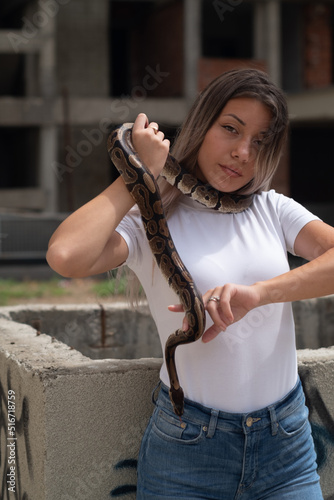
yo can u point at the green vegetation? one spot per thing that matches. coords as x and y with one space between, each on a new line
11 289
114 286
16 292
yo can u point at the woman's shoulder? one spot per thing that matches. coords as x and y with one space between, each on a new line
270 196
273 200
286 208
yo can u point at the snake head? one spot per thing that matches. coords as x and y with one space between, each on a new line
177 399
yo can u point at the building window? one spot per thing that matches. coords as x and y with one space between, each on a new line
227 33
19 155
12 14
146 49
311 170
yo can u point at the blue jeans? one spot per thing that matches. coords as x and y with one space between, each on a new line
265 455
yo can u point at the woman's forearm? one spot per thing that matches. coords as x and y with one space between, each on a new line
314 279
85 237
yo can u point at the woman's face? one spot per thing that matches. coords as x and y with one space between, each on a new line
226 158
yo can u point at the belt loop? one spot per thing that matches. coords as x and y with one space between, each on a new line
274 423
212 424
154 396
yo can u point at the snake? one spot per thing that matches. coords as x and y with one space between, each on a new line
144 189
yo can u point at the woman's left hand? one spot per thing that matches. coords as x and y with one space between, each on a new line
230 304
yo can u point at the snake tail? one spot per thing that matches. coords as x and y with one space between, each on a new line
177 399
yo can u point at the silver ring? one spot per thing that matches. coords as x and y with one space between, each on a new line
155 129
214 299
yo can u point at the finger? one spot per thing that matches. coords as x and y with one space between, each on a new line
141 122
154 126
207 295
223 307
213 292
210 334
180 308
167 143
212 305
212 297
225 304
215 314
176 308
185 324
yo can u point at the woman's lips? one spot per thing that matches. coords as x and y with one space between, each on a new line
230 171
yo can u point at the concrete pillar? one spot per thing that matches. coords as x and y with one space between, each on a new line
47 155
259 42
192 47
273 16
48 132
267 36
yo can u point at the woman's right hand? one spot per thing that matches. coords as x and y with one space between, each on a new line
151 146
232 304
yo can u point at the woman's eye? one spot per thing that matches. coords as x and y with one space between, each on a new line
229 128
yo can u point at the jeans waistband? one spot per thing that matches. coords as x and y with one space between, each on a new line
245 422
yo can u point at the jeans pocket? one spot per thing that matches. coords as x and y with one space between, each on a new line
295 423
171 428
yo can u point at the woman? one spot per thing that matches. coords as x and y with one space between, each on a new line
244 432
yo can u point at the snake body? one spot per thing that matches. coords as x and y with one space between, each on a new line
145 192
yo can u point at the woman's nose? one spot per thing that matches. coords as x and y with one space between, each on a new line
242 150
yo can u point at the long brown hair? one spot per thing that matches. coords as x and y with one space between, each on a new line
205 111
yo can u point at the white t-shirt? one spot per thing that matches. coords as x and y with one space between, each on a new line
253 363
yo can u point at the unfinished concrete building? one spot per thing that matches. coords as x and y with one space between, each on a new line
73 69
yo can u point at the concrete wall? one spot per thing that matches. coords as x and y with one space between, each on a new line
98 332
79 422
314 321
115 331
316 370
